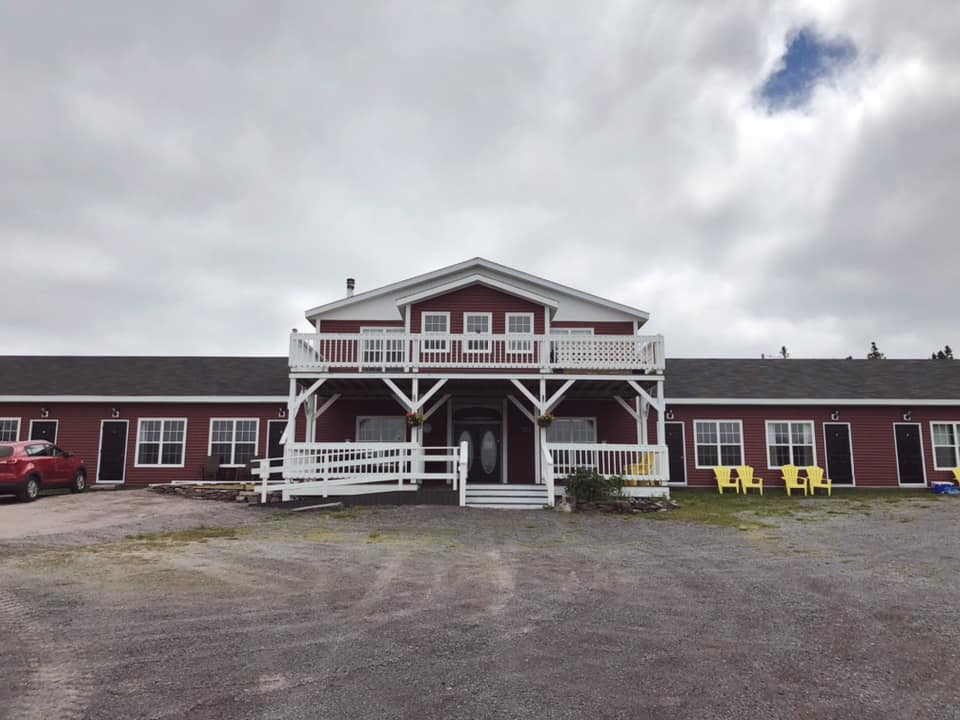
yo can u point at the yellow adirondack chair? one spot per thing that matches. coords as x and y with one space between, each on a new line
817 480
792 479
723 479
956 474
748 480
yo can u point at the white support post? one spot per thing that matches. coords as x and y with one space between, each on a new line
416 465
462 473
419 403
644 415
290 432
312 418
661 427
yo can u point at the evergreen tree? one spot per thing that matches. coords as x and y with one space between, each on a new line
945 354
875 353
783 352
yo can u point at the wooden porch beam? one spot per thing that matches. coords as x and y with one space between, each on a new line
429 394
529 395
436 406
399 394
557 396
655 403
623 403
301 398
326 406
521 408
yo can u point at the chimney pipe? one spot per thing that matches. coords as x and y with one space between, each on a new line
351 284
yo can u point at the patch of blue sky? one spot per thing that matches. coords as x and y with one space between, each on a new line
809 60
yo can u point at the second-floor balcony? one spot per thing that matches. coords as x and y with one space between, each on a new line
400 351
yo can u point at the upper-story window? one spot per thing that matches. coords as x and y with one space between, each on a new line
435 323
520 324
479 324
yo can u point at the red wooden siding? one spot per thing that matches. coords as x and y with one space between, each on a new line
353 326
871 432
480 299
599 328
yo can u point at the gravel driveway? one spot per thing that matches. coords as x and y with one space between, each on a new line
115 605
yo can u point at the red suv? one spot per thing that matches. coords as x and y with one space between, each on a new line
29 466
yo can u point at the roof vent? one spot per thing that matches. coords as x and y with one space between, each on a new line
351 284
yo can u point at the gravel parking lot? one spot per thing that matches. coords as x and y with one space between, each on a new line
133 605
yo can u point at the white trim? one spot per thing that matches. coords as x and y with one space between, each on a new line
425 332
126 445
683 441
524 347
266 447
233 442
573 331
302 375
356 433
813 440
811 401
923 457
56 433
696 455
437 290
465 346
826 455
253 399
19 425
486 265
956 443
136 447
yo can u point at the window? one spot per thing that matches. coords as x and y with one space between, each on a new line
477 323
160 442
520 324
379 350
946 445
790 443
572 430
382 429
234 441
436 323
718 442
9 429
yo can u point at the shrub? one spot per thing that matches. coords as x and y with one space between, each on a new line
588 486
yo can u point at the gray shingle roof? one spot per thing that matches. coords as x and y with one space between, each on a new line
813 379
685 377
160 376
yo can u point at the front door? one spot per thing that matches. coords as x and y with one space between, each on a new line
909 454
113 451
43 430
275 430
838 447
676 452
481 429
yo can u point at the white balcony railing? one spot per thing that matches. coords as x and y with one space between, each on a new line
632 462
429 351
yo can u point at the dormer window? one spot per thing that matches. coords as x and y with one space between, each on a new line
477 324
436 323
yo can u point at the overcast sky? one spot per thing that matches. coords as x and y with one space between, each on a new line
188 179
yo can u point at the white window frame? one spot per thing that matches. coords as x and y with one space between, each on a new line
696 444
572 331
361 418
162 420
434 346
56 433
955 446
575 418
379 345
519 347
813 441
474 346
19 422
233 438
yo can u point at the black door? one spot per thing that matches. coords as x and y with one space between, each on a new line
43 430
839 461
275 429
113 451
481 429
909 454
676 452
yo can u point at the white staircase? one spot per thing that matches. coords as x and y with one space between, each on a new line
507 497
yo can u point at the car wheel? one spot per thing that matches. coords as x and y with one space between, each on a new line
29 491
79 483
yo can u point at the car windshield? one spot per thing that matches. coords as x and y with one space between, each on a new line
6 451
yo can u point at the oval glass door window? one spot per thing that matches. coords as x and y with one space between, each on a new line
465 437
488 452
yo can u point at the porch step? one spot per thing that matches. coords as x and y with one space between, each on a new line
514 497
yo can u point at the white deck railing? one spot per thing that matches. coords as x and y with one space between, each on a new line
429 351
339 468
632 462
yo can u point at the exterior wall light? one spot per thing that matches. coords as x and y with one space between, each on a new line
669 415
114 412
908 416
835 415
282 412
44 412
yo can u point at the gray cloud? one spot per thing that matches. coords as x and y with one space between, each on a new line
189 178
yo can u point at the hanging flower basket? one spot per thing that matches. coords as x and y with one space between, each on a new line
415 419
545 420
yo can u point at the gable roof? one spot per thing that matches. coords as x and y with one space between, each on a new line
748 381
480 265
251 377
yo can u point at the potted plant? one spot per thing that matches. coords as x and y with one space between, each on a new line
415 419
545 420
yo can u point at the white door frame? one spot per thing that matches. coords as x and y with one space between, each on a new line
56 433
266 443
683 439
826 455
923 459
126 445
